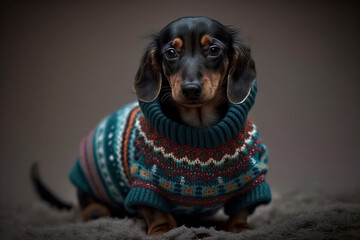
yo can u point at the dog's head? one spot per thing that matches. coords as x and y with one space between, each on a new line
198 58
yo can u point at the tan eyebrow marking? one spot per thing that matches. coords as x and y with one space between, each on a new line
177 43
205 40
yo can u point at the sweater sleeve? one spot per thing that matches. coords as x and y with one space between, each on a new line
256 196
259 195
141 196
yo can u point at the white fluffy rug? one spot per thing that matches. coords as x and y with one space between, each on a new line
289 216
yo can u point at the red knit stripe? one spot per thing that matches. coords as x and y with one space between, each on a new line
191 152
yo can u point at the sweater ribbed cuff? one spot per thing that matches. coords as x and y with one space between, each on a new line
138 197
259 195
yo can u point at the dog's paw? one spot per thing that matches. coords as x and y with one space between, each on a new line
157 222
95 211
158 230
238 222
239 227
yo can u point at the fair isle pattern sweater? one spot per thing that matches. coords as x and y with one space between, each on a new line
139 157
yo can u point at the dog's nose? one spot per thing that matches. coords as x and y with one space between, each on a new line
191 90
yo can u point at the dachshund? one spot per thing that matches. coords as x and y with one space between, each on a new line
196 67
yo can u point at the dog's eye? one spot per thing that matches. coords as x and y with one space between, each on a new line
214 51
171 53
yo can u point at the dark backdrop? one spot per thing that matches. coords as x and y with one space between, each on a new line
66 64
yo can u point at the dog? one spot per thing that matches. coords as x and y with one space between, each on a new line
186 147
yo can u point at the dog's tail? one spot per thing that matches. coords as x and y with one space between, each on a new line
44 192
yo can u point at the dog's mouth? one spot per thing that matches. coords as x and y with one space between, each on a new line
192 103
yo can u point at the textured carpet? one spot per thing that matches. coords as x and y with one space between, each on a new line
289 216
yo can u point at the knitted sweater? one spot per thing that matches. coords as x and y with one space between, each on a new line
139 157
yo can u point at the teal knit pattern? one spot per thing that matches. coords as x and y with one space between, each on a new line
139 158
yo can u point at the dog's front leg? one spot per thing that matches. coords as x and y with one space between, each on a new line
238 222
157 222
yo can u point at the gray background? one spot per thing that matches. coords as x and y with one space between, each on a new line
65 65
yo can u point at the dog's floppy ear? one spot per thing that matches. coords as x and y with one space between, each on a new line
147 83
241 74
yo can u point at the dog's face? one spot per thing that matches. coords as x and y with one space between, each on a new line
200 59
194 60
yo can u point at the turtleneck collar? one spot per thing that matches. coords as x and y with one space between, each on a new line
220 133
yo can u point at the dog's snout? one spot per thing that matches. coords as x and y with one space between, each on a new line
191 90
